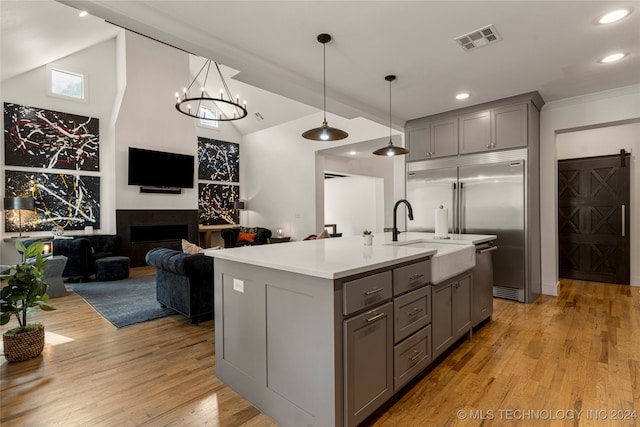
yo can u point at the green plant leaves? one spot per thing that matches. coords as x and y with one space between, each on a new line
26 287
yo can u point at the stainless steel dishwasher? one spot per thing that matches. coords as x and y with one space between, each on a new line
482 285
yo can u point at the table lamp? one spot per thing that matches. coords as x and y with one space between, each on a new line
20 204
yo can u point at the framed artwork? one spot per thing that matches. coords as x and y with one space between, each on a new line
39 138
218 160
68 201
215 204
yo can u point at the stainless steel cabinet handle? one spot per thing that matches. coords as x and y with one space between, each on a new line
482 251
416 276
376 317
624 220
416 354
374 291
414 311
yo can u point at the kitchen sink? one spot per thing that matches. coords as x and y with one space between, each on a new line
450 260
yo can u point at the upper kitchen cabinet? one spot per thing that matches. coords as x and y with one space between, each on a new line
475 132
495 129
496 125
434 139
509 127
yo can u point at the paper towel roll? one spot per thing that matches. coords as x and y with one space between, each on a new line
442 223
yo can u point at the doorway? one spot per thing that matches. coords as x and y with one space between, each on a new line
354 203
593 218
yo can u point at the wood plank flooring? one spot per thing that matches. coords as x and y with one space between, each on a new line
533 364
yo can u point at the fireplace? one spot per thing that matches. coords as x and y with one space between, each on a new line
143 230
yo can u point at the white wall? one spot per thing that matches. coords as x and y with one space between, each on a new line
98 63
603 142
283 181
148 119
595 110
354 203
390 169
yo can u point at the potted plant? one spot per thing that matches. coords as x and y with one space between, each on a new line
25 289
368 237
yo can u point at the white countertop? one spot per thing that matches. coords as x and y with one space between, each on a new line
339 257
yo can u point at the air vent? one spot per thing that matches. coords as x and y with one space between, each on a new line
478 38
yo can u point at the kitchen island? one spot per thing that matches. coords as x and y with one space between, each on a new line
321 333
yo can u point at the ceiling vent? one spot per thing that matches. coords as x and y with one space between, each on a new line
478 38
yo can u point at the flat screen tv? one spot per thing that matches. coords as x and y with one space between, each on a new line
160 169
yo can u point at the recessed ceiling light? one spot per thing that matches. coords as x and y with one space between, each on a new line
462 96
612 58
83 14
353 153
613 16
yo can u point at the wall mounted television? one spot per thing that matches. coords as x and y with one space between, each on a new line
159 169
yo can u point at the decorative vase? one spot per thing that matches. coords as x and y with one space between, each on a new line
25 346
368 239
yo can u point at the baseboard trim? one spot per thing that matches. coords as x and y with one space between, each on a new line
548 289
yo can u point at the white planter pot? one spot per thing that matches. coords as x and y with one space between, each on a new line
368 239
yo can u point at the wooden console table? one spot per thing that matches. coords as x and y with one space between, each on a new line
210 234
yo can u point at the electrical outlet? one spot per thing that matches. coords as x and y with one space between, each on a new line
238 285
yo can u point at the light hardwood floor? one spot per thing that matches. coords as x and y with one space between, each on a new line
549 359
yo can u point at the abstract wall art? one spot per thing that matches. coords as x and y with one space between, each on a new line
215 204
39 138
68 201
218 160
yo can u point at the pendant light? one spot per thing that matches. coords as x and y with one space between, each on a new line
325 132
390 149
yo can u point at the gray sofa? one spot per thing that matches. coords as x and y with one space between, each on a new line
183 282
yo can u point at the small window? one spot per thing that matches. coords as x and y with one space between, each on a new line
67 84
209 113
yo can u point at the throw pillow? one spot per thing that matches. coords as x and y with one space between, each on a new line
246 237
248 229
190 248
324 235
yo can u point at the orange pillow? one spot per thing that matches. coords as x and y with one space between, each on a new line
246 237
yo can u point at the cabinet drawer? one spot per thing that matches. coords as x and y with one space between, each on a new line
411 277
411 312
411 356
366 292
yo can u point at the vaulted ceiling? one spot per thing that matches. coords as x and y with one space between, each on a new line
549 46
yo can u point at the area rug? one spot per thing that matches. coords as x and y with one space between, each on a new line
124 302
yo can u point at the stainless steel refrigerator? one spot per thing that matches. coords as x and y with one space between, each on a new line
483 198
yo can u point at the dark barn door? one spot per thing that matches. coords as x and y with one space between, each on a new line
593 219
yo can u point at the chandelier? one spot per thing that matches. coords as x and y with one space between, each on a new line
199 105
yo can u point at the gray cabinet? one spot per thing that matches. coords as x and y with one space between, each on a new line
461 315
494 129
411 312
451 312
509 126
418 143
411 356
475 132
368 362
436 139
441 325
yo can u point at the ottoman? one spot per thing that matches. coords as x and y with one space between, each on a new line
112 268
